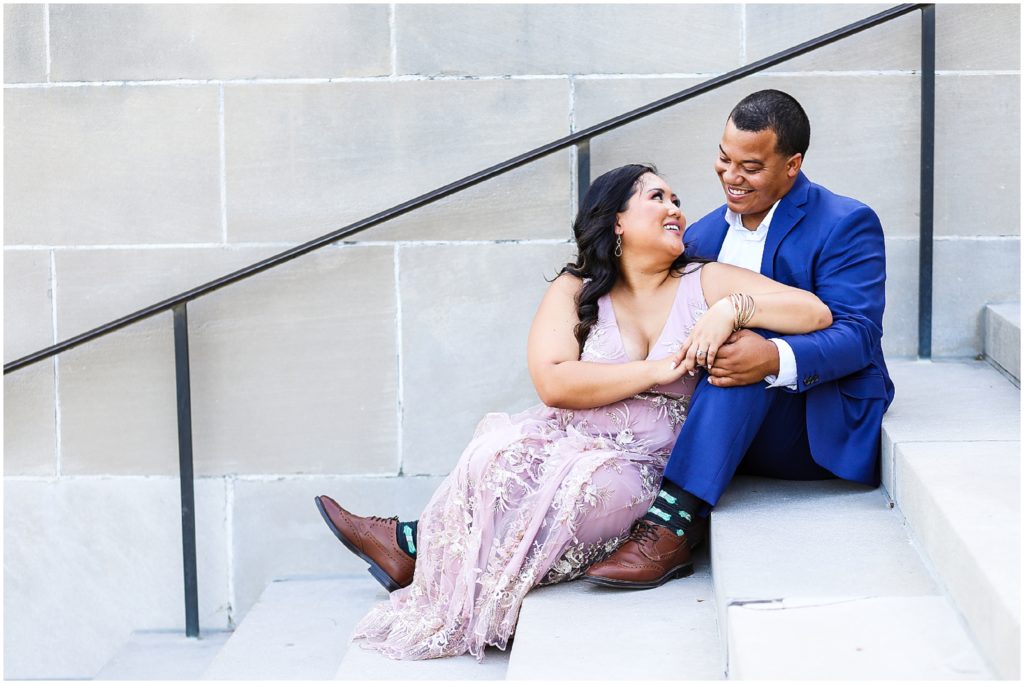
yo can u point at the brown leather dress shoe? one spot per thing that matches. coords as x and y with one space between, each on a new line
651 556
372 539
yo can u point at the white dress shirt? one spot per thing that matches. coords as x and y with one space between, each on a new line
745 248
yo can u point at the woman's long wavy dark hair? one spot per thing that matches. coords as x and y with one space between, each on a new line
594 230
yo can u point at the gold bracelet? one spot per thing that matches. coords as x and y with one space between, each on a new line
743 307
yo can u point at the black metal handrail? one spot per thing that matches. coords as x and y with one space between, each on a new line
469 181
179 303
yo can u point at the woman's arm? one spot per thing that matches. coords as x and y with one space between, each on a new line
561 379
777 307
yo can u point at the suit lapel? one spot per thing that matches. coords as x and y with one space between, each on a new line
707 236
715 240
787 215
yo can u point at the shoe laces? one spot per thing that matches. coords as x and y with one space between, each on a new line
378 518
644 529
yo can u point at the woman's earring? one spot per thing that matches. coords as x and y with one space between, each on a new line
618 245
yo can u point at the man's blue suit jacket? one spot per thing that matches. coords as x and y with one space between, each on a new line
832 246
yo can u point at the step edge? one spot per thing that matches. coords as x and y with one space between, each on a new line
954 593
512 673
932 599
273 598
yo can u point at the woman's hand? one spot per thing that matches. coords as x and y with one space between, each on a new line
708 334
665 371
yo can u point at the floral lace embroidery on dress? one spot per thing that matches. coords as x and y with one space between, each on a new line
599 345
535 499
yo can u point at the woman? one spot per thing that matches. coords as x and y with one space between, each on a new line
538 496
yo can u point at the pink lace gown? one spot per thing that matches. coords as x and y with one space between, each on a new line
535 499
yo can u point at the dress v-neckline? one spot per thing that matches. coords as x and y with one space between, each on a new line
664 327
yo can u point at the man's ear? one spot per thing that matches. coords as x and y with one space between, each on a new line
793 165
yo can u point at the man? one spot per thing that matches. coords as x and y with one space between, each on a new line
797 407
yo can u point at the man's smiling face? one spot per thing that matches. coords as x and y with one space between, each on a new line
754 174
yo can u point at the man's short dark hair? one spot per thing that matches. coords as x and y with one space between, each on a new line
781 113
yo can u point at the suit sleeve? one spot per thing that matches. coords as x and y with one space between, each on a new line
849 278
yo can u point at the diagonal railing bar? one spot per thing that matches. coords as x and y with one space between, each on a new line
468 182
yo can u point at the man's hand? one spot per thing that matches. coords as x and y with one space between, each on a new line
745 358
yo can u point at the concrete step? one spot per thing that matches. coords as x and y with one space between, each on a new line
1002 338
951 463
298 629
163 655
577 631
362 664
820 580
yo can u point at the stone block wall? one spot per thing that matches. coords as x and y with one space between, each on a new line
151 148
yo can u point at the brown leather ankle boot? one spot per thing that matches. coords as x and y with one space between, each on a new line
651 556
372 539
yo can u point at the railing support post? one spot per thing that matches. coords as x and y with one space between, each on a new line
927 212
582 171
188 505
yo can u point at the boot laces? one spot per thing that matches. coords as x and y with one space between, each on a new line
644 529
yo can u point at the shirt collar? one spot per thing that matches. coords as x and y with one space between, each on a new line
735 221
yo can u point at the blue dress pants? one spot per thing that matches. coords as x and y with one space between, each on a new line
750 430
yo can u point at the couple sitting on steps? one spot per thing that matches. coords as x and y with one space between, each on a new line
664 371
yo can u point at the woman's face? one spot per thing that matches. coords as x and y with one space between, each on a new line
652 222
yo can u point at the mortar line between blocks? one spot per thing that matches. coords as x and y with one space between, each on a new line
343 244
496 77
223 165
574 179
263 477
57 417
46 39
400 408
572 104
229 525
194 82
951 238
897 444
743 33
393 40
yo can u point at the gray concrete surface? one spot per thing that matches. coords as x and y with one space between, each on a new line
111 165
163 655
24 43
361 664
219 41
947 401
88 561
1002 337
865 639
962 501
302 159
782 546
297 630
577 631
560 39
